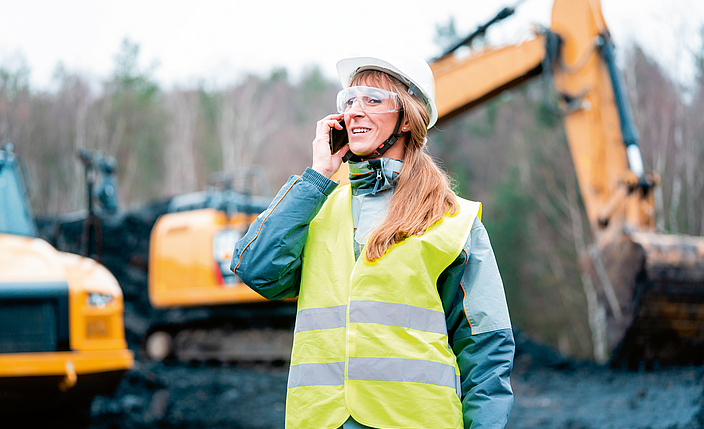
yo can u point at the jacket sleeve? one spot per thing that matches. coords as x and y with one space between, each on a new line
268 257
479 329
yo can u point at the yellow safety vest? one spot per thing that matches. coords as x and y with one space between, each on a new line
371 338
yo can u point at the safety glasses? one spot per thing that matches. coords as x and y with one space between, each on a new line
371 100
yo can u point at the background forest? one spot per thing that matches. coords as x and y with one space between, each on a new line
510 153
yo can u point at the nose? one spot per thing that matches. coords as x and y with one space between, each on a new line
356 109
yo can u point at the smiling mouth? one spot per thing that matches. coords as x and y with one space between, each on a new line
360 130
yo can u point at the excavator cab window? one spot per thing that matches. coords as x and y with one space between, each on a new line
15 214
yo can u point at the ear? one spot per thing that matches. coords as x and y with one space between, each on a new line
405 125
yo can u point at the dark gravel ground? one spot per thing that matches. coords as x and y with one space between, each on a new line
175 396
550 392
554 392
592 397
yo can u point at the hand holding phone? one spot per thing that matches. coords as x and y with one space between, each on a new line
329 145
338 138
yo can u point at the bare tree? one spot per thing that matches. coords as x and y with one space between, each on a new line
180 150
247 119
669 143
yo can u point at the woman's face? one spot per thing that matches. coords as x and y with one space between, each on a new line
368 130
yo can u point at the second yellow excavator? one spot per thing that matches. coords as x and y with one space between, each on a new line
203 311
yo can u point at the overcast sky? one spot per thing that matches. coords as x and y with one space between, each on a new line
220 40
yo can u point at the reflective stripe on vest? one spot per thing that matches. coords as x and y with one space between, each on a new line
377 369
371 338
316 374
392 314
320 318
410 370
383 313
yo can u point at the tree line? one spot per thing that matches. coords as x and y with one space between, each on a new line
510 153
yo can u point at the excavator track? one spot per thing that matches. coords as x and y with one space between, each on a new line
252 345
222 345
223 335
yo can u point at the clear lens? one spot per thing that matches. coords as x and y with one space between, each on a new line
372 100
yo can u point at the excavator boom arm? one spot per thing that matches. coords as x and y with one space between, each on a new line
461 84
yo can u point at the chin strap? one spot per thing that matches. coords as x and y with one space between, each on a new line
349 156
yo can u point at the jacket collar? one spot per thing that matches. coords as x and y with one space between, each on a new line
370 177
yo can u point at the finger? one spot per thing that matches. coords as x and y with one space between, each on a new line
331 119
334 122
325 125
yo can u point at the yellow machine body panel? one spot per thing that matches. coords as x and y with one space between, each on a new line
189 256
96 340
65 363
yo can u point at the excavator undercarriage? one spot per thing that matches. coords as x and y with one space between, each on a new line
240 333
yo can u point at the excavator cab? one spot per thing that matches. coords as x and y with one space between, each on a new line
15 212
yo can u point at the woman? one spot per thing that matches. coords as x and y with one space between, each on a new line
402 320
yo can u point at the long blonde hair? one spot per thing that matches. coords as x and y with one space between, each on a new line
423 194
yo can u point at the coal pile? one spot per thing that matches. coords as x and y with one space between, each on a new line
603 398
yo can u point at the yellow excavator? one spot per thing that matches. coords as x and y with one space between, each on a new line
203 311
62 338
651 284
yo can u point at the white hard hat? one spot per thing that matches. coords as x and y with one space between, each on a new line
405 66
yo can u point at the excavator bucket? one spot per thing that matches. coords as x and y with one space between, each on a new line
655 312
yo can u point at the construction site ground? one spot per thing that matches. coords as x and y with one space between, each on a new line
550 391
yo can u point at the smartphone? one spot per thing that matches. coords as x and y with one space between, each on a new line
338 138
